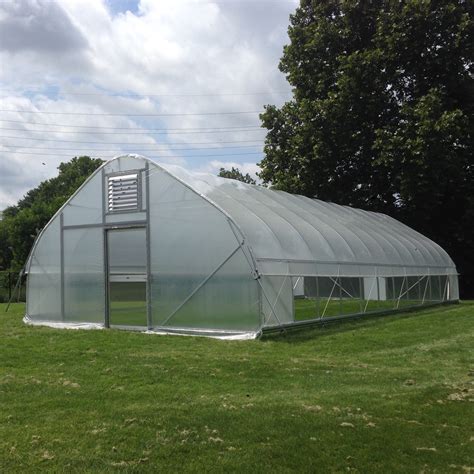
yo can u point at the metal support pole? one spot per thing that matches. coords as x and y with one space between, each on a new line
318 299
339 280
20 275
149 315
61 252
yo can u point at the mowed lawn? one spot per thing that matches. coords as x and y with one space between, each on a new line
386 394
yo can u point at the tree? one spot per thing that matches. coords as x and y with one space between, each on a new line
382 113
235 173
23 222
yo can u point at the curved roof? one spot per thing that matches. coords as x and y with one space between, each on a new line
287 230
290 228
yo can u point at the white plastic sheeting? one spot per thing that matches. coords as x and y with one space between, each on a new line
291 234
242 336
220 255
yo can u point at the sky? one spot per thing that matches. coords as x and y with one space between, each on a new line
179 81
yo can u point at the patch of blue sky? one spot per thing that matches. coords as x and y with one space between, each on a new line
122 6
97 88
50 91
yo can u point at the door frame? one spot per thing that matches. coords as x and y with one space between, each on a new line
119 226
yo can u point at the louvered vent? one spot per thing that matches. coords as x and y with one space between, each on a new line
123 192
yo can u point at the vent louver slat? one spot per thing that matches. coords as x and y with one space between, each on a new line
123 192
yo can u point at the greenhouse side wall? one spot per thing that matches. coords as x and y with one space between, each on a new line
324 297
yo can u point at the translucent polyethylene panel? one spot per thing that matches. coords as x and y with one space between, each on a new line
127 250
333 234
320 248
86 206
125 163
310 287
453 293
384 245
44 276
84 281
125 217
264 240
127 304
273 267
229 300
345 248
423 250
302 268
437 285
190 239
277 300
292 243
361 242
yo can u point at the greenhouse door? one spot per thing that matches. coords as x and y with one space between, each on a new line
127 277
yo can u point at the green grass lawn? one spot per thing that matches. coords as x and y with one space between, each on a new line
391 394
309 308
130 313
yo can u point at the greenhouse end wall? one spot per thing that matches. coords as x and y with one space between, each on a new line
196 275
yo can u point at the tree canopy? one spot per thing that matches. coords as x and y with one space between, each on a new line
235 173
382 113
22 222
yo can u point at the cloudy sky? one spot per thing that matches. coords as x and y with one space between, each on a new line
179 81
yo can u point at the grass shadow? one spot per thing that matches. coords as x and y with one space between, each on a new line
327 328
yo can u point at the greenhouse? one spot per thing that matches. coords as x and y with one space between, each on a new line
157 248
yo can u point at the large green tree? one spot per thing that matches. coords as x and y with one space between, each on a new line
382 114
22 222
235 173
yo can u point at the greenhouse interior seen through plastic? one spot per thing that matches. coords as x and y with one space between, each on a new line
155 247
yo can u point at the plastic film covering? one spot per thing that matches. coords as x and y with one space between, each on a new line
124 163
200 276
228 300
277 300
125 217
318 238
44 276
85 207
84 279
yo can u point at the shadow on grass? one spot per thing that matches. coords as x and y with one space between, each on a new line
350 323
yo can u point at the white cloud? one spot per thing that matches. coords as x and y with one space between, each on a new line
176 54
